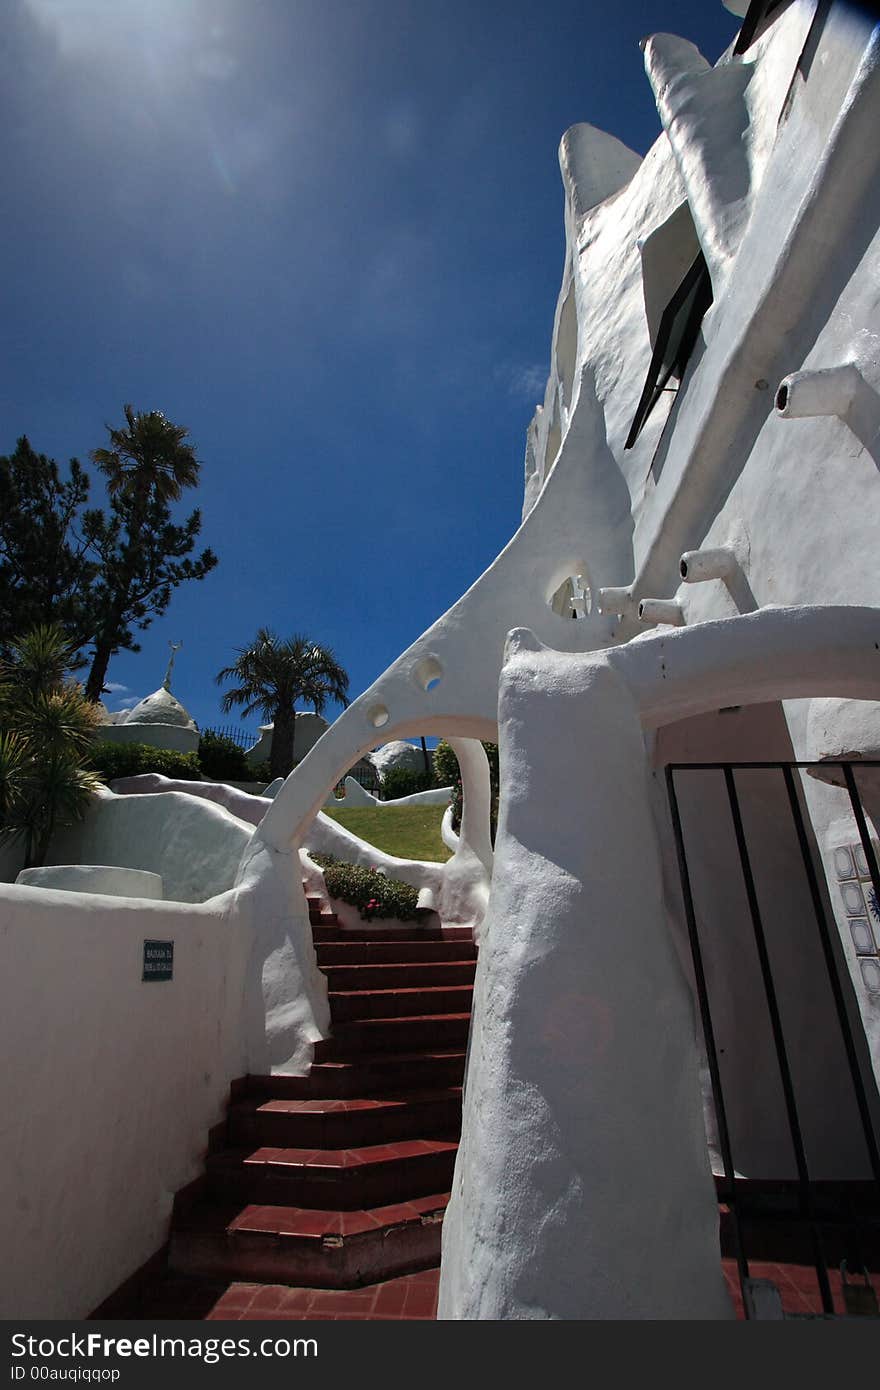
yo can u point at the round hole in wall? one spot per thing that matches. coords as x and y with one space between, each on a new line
683 567
428 673
782 397
641 608
378 716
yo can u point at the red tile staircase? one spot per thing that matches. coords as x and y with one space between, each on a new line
337 1180
323 1196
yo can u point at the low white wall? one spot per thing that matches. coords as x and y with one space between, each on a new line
194 844
109 1085
95 878
230 795
355 795
170 736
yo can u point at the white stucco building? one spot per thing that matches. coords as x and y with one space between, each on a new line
690 595
159 720
308 729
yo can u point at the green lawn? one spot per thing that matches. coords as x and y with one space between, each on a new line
408 832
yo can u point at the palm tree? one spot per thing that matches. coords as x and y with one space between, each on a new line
148 455
46 729
272 675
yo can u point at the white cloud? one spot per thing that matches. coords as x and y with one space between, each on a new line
128 703
525 382
101 26
115 688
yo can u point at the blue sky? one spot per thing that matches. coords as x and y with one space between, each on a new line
326 235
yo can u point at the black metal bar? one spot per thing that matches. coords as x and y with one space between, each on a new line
834 976
811 762
708 1036
778 1037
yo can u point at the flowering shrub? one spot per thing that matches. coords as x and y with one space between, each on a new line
369 890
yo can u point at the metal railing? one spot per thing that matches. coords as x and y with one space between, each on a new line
817 1206
241 737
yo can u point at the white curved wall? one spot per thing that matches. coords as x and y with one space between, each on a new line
105 1110
195 846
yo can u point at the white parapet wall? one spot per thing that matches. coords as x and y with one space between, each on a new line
109 1086
194 843
357 796
112 1082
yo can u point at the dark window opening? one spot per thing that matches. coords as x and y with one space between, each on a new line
759 14
676 337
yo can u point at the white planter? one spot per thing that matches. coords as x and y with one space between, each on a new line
95 878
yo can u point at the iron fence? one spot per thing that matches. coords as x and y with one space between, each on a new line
843 1216
242 738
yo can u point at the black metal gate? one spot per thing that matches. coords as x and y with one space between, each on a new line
830 1224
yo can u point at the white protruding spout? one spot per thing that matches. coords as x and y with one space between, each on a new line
829 391
620 601
696 566
661 610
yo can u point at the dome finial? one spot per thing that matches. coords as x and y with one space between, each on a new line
175 648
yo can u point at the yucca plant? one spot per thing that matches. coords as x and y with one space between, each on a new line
46 730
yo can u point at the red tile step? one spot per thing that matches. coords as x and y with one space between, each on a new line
342 1123
366 1074
323 931
324 921
291 1245
425 1031
399 975
329 1182
403 951
352 1004
410 1297
332 1179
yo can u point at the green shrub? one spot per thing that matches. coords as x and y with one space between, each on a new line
259 772
404 781
221 759
46 731
447 773
115 760
366 889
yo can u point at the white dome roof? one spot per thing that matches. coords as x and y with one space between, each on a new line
161 708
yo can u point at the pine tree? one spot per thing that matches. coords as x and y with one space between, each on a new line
45 571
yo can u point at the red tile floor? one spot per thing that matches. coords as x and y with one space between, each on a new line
797 1285
411 1297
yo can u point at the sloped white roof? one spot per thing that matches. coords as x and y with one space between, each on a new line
160 708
